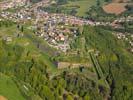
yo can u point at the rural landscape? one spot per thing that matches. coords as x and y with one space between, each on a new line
66 49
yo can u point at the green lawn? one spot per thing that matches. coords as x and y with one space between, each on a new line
84 6
8 89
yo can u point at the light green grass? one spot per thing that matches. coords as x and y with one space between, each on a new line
37 51
7 30
8 89
84 6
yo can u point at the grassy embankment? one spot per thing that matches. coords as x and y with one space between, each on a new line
9 89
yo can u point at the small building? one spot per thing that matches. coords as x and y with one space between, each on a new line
8 39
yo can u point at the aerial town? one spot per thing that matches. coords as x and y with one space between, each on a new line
52 27
66 49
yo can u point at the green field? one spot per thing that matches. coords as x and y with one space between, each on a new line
83 6
8 89
75 7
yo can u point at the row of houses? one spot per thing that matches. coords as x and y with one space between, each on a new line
12 3
52 26
55 31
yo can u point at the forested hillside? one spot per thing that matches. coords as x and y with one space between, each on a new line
66 50
33 71
34 78
115 61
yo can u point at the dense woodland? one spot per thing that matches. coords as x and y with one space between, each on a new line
114 59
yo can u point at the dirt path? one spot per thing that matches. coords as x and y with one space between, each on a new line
2 98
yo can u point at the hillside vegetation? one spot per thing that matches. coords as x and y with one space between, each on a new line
32 70
114 59
9 89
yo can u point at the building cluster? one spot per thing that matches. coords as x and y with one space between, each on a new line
118 23
20 16
123 19
57 29
67 19
12 3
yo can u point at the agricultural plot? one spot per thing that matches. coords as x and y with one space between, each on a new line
82 6
116 6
